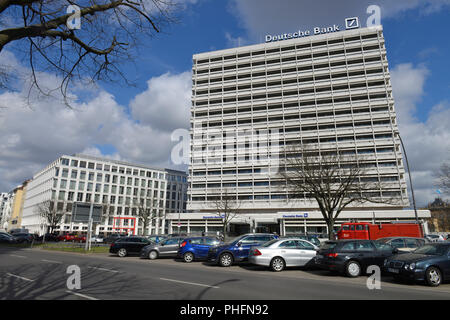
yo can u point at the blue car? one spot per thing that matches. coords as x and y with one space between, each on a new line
196 248
429 263
238 249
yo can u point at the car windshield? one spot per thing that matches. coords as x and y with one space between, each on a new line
432 250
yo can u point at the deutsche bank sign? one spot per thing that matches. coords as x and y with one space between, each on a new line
350 23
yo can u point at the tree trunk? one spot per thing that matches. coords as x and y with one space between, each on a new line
330 224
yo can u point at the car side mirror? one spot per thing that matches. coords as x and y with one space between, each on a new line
395 250
239 244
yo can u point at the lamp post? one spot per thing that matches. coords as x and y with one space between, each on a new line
410 179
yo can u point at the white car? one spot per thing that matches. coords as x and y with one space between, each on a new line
281 253
96 239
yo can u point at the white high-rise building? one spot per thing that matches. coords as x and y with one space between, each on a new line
324 92
116 184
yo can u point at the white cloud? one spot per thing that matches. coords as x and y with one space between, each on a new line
166 103
427 142
33 136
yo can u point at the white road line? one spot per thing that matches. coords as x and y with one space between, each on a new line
17 256
16 276
51 261
103 269
195 284
81 295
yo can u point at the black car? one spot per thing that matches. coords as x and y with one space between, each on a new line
429 263
352 257
113 237
128 245
23 237
48 237
7 238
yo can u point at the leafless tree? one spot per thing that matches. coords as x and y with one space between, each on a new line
335 180
444 178
50 213
108 35
227 206
146 211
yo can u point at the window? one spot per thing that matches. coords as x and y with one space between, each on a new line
304 245
196 241
288 244
397 243
411 243
364 246
349 246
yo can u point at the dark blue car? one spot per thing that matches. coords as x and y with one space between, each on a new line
196 248
238 249
429 263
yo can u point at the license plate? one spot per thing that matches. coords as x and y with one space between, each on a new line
393 270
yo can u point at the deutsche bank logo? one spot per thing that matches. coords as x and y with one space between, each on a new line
352 23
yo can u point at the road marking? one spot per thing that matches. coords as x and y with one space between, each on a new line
81 295
13 275
51 261
17 256
195 284
103 269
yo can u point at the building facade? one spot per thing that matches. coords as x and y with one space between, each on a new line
118 186
325 92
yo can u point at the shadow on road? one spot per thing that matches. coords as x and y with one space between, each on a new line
49 281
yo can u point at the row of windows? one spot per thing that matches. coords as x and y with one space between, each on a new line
81 197
279 183
288 48
99 177
287 117
290 70
346 86
107 167
294 196
284 93
316 127
291 59
218 172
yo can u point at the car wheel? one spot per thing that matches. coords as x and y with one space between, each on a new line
277 264
122 252
353 269
188 257
433 276
226 260
153 255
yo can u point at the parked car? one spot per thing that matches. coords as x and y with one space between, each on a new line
352 257
434 237
49 237
156 238
128 245
97 239
404 244
7 238
280 253
113 237
79 238
238 249
23 237
67 237
166 248
196 248
429 263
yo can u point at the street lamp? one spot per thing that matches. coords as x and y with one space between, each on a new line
410 179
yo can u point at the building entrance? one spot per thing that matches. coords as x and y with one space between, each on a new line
268 228
236 229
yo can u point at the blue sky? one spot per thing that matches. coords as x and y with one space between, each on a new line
136 123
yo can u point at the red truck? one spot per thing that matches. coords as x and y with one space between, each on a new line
369 231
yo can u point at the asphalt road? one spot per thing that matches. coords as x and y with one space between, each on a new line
39 274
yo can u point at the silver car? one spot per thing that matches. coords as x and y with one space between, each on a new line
280 253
